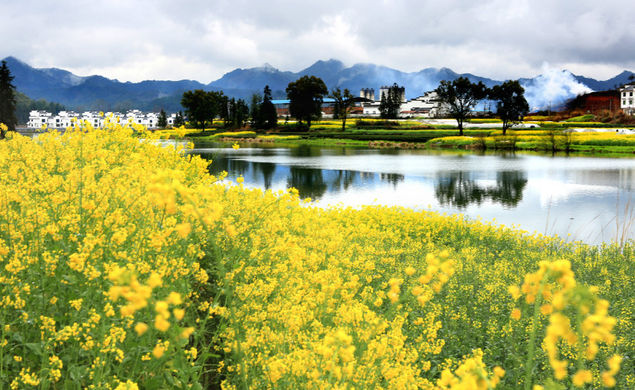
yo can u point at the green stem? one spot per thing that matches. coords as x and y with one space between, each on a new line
580 343
529 365
2 353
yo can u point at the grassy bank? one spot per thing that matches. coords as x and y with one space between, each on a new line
545 136
125 265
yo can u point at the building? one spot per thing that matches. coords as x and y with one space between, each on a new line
627 100
427 105
367 93
596 102
383 91
282 106
64 119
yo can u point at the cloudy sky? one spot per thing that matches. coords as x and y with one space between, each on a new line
203 39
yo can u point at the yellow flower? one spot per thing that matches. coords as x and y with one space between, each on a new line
183 229
581 378
179 314
129 385
187 332
608 380
174 298
161 323
154 280
140 328
516 314
514 291
236 146
158 351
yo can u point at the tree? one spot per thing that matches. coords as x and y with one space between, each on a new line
7 100
511 104
460 96
223 104
254 111
343 103
238 113
268 113
199 107
390 102
162 122
306 95
179 120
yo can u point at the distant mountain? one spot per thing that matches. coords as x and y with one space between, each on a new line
552 88
612 83
96 92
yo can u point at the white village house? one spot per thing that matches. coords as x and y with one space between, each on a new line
64 119
427 105
627 103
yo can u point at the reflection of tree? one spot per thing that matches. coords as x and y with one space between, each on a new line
267 169
509 188
218 162
309 182
237 167
344 179
459 189
392 178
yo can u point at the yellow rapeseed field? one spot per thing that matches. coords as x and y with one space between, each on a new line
124 264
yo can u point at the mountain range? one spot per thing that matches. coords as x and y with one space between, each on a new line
551 88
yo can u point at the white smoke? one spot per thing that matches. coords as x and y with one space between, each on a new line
552 88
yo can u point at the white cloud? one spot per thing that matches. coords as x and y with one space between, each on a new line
496 38
552 88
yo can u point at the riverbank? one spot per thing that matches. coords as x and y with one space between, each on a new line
569 136
147 272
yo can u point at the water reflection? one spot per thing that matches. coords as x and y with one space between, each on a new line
460 189
309 182
583 197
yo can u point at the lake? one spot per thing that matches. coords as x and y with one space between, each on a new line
591 199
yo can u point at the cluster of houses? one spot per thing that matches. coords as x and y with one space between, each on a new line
427 105
366 105
64 119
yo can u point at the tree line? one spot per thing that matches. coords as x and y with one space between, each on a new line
306 96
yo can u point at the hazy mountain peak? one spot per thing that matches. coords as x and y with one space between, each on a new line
267 67
12 59
320 68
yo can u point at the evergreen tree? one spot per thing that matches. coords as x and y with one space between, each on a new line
268 111
237 113
391 102
7 100
254 111
179 120
162 122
